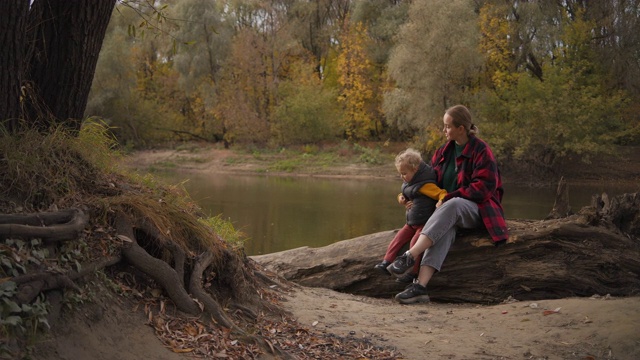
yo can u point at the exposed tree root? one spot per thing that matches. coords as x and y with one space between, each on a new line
172 279
94 266
210 305
48 226
175 268
30 285
178 254
157 269
247 312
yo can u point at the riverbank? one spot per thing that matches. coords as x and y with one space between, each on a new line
376 162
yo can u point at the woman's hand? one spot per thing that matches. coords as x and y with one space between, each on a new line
438 204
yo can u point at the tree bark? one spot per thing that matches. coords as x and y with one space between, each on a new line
593 252
13 21
66 38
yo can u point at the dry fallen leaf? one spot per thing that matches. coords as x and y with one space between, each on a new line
124 238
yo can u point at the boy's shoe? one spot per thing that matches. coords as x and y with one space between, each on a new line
382 267
402 264
414 293
406 278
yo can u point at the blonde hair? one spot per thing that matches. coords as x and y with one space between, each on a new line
461 116
409 157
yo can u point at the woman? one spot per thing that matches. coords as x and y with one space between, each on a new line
468 170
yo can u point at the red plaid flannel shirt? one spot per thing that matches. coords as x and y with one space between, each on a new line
479 181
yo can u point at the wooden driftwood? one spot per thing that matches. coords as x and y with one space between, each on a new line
561 207
596 251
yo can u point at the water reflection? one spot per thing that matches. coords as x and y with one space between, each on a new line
280 213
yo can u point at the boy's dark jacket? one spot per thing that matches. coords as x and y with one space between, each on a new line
423 206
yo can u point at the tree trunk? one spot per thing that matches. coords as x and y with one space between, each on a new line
594 252
65 38
13 20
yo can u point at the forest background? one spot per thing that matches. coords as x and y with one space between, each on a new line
544 79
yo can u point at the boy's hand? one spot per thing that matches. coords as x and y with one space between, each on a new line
438 204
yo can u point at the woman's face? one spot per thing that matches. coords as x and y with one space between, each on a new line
451 132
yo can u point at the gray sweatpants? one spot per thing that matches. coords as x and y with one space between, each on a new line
441 228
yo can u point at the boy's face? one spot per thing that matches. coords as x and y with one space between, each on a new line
406 172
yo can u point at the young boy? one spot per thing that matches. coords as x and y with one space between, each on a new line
420 195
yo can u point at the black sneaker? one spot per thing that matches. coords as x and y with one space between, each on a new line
406 278
382 267
402 264
414 293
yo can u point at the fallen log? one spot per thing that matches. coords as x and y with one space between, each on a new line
593 252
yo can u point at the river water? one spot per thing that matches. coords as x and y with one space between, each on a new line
281 213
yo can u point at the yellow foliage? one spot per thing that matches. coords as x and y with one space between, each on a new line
356 90
495 28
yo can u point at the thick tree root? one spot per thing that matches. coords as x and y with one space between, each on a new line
171 279
30 285
210 305
157 269
50 226
178 254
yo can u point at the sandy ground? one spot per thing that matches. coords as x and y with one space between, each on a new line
599 327
582 328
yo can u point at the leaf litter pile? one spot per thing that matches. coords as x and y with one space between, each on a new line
203 339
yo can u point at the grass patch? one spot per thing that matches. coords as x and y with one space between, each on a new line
286 165
189 147
226 230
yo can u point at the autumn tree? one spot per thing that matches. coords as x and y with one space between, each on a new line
204 39
243 104
382 19
563 108
616 40
356 92
307 112
496 30
314 24
433 64
136 90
